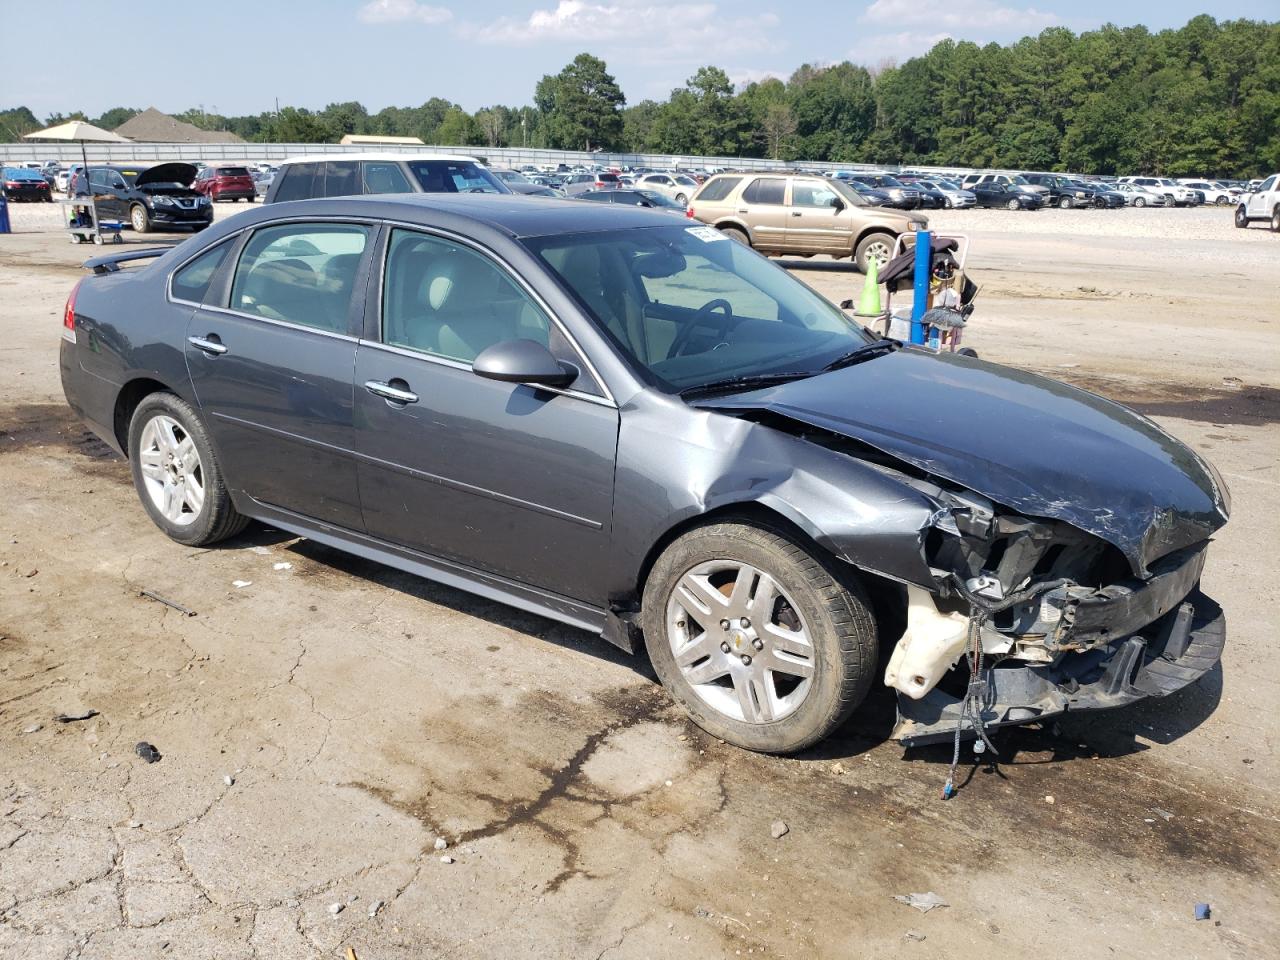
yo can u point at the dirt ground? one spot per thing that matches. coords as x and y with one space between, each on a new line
323 725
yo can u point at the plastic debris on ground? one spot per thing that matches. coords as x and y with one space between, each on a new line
147 752
924 902
1203 911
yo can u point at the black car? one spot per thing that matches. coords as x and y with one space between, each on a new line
873 197
147 197
992 194
308 178
634 198
1099 194
648 431
23 183
1063 192
900 194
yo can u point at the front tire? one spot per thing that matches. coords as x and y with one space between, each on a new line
1242 217
1275 220
733 233
877 245
1012 205
140 219
798 655
1140 202
1066 203
1223 201
177 475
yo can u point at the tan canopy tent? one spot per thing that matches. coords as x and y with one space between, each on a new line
78 130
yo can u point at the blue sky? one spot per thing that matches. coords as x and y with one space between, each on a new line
238 57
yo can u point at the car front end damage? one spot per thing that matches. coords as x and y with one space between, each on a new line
1050 619
1059 537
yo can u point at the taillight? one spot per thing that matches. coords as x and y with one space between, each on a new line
688 212
13 184
69 313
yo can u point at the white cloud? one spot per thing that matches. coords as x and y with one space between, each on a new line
402 11
896 46
979 16
656 32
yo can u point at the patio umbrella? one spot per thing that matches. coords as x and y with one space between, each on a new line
78 130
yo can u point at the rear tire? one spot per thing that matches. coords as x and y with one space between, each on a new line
878 245
682 199
832 633
177 475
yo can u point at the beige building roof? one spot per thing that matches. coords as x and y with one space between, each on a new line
152 126
359 138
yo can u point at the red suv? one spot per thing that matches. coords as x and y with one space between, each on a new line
225 183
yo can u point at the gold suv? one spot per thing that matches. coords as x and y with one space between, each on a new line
804 214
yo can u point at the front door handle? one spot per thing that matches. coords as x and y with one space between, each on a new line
209 346
795 213
388 392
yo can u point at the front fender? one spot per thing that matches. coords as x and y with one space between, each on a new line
858 513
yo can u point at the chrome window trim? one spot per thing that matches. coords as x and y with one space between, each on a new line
168 283
280 323
466 368
537 298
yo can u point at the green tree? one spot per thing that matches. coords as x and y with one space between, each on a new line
459 128
15 122
112 118
581 106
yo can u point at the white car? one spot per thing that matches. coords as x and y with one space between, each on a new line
673 186
1261 204
1180 195
1136 196
1213 192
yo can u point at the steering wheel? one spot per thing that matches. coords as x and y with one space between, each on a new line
704 312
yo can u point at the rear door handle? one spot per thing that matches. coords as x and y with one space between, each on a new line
388 392
211 347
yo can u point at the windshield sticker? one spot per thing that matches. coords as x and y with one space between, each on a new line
705 234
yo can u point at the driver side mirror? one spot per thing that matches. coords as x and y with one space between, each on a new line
837 205
523 361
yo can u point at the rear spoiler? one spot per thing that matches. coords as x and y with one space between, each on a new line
110 262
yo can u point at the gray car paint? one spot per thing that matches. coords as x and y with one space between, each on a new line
543 525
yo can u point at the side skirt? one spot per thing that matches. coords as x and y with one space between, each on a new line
452 574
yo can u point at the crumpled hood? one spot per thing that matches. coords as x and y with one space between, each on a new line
1040 447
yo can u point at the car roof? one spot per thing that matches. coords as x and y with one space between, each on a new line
513 214
319 157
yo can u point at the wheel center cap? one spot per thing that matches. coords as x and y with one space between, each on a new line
739 639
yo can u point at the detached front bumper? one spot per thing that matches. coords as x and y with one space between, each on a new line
1163 657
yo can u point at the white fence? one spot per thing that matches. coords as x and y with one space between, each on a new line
496 156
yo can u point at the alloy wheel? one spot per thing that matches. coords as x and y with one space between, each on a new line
740 642
172 473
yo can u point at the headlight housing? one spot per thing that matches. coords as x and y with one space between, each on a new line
161 201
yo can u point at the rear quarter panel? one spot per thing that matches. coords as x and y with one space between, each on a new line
125 330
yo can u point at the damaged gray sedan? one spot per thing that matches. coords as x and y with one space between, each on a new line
648 431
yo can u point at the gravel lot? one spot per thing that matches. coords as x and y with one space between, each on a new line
322 726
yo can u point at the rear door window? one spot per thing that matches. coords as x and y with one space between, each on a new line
301 273
297 182
342 178
719 189
766 190
384 176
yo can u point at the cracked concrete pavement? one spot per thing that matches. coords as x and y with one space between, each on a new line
361 714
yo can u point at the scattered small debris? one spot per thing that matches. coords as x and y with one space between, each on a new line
147 752
284 565
668 783
135 825
351 954
229 780
914 935
263 551
33 728
446 859
703 913
30 573
240 584
1049 800
353 898
924 902
337 908
1203 911
185 611
73 717
838 769
442 843
374 908
779 830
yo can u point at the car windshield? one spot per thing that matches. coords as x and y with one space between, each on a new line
849 189
688 306
1021 181
454 176
510 176
889 182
